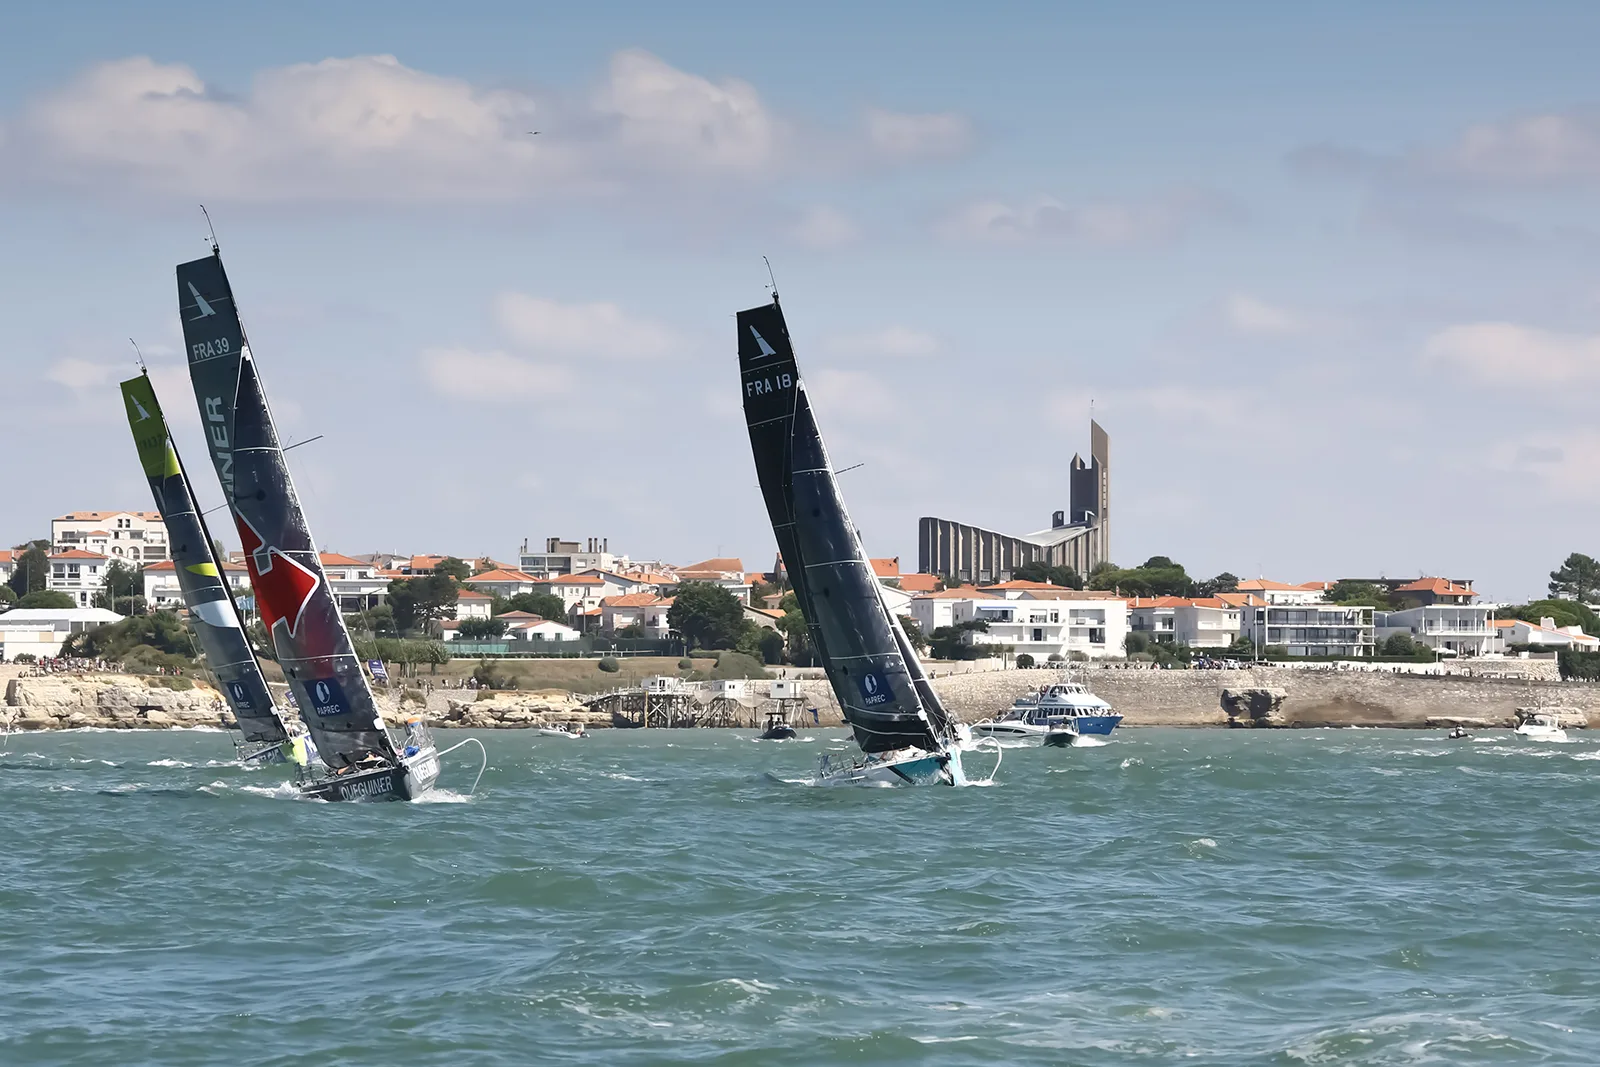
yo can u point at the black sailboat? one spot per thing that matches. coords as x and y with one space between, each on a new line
292 594
213 616
897 718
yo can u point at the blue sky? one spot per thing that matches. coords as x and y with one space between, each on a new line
1331 279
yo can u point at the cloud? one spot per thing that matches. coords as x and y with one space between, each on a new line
1550 147
1102 223
597 329
891 341
1505 353
80 375
371 128
493 377
1565 467
1247 315
824 227
898 136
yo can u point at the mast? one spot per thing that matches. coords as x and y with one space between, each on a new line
212 612
874 672
293 597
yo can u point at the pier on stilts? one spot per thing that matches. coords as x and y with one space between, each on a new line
670 702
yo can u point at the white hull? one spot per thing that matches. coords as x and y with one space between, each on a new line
550 731
1542 733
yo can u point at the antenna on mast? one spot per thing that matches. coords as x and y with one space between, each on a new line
138 356
210 228
774 285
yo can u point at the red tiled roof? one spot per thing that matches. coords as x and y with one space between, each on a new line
631 600
1021 584
96 516
919 583
77 553
1241 600
518 615
1437 586
570 579
886 568
1261 585
334 559
962 592
500 576
721 563
472 594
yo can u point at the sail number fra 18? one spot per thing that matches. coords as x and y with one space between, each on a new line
776 383
209 349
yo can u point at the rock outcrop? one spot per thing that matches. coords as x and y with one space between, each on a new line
114 701
502 711
1255 707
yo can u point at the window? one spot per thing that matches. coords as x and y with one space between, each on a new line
1097 636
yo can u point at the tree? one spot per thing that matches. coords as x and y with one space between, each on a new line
707 615
795 630
419 601
1576 579
8 595
1563 612
949 642
633 631
772 643
481 629
1055 574
609 664
914 634
453 568
1360 594
32 571
544 605
123 580
47 598
1156 576
1402 645
1024 661
1225 582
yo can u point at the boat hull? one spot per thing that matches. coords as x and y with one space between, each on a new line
1010 730
1060 739
921 768
778 733
1097 724
412 778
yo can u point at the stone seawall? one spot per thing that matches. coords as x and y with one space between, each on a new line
113 701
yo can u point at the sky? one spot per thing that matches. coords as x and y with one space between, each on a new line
1330 279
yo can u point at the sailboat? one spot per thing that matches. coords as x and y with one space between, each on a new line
904 732
362 761
267 736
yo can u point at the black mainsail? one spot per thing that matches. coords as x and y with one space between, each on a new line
291 590
200 576
875 674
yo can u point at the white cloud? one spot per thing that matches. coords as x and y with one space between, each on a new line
492 377
1248 315
1104 223
595 329
369 127
892 341
1505 353
900 136
1566 467
824 227
82 374
1532 147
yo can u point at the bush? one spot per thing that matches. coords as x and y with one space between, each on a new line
686 664
171 681
143 659
47 598
492 675
738 665
609 664
771 646
1024 661
1054 657
26 657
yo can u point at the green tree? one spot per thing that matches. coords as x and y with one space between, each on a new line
481 629
1563 612
453 568
1055 574
32 571
914 634
416 602
1360 594
544 605
707 615
609 664
949 642
1024 661
47 598
772 645
8 596
796 632
1576 579
1223 583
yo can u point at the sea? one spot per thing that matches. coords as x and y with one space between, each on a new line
688 896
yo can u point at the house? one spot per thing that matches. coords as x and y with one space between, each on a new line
135 537
40 632
618 583
79 574
1095 627
471 604
501 583
1206 622
1280 593
579 592
936 610
919 583
567 557
161 589
1545 633
8 564
1307 628
540 630
1428 591
355 584
646 610
1446 626
763 617
725 571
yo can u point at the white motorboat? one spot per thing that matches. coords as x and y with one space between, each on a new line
1542 726
1034 715
571 731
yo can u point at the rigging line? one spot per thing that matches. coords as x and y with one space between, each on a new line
210 228
847 470
138 355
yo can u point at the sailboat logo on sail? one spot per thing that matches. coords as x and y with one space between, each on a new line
766 349
200 302
143 414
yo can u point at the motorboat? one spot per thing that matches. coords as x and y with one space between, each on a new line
1062 734
778 728
1542 726
571 731
1031 717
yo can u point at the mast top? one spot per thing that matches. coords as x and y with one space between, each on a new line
212 230
774 286
138 358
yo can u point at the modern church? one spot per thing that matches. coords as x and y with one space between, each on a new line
1079 538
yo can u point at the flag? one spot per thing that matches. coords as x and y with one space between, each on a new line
816 720
379 672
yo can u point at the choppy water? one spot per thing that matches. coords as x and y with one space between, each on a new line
1299 897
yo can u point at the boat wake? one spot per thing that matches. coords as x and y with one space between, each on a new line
1090 742
443 796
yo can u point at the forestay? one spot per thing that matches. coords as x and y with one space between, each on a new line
212 615
874 672
292 593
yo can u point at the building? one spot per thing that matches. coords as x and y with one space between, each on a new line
523 627
567 557
1280 593
1452 628
8 564
645 610
40 632
1428 591
79 574
356 585
579 592
502 583
161 590
471 604
1208 622
1094 627
725 571
1079 537
135 537
1309 629
932 611
1542 634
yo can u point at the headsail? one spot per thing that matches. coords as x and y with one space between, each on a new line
874 672
292 593
205 590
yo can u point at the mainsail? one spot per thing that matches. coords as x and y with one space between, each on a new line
874 672
292 593
200 577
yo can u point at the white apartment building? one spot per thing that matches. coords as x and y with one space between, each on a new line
579 592
471 604
1455 629
41 632
161 590
355 584
79 574
642 609
1094 626
1200 623
935 610
135 537
502 583
8 564
725 571
568 557
1310 629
